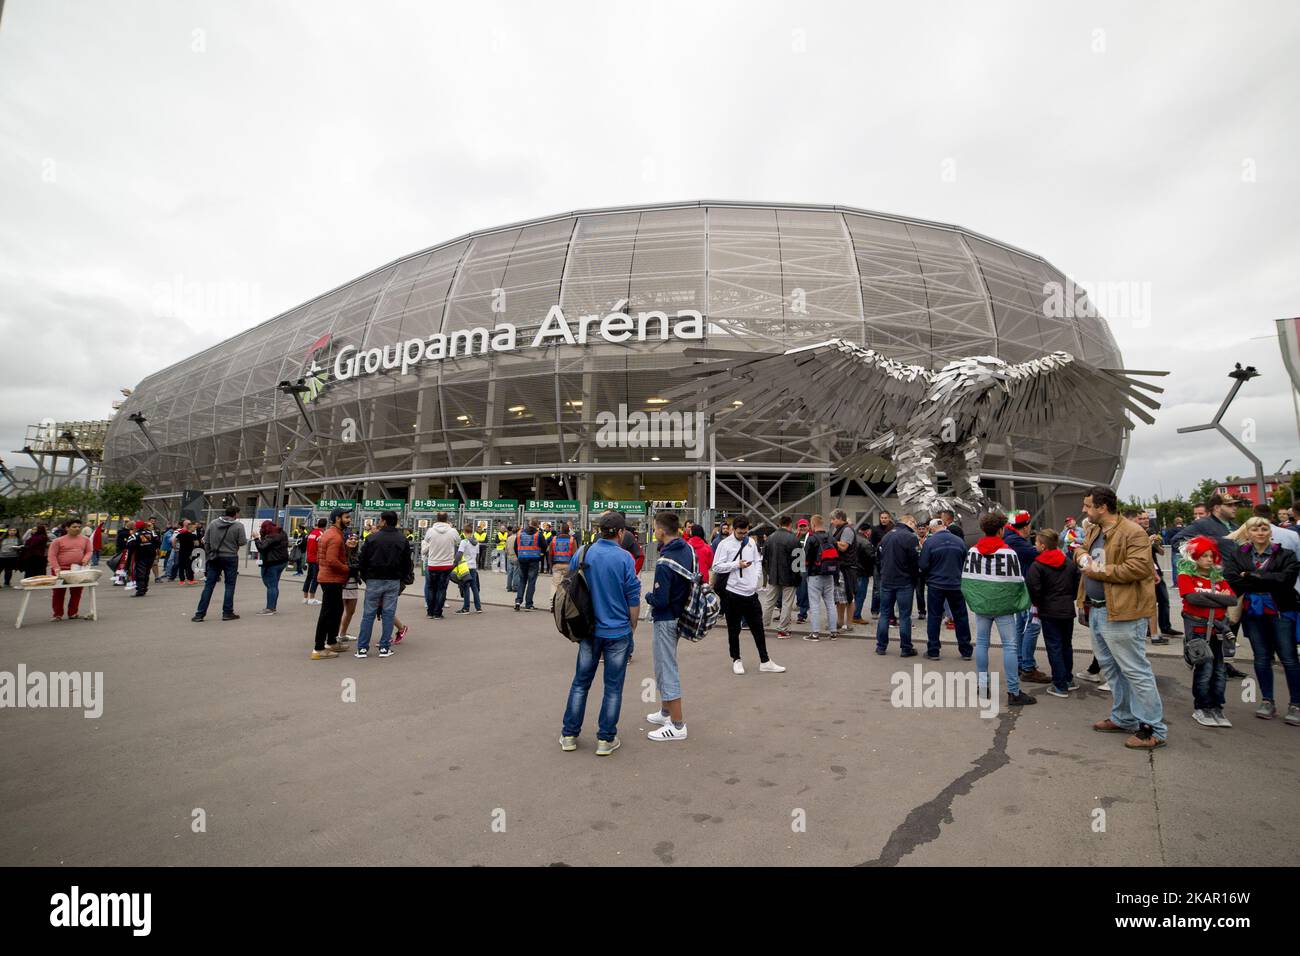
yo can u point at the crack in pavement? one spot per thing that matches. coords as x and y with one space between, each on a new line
923 822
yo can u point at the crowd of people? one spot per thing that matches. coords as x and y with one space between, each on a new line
1105 573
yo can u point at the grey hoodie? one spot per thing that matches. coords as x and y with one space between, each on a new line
224 538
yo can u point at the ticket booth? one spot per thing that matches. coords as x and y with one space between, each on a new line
484 514
372 508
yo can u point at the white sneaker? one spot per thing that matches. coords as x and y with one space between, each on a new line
1204 718
668 732
1091 678
313 601
737 667
1219 718
771 667
1104 686
658 718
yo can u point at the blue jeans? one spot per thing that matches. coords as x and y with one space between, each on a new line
213 570
1058 638
1210 679
934 621
169 566
94 558
527 584
468 586
860 594
1121 651
875 591
271 578
1027 628
381 598
801 597
667 678
309 583
821 599
512 573
590 652
435 590
1010 652
891 597
1269 635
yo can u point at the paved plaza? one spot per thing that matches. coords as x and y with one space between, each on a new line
449 755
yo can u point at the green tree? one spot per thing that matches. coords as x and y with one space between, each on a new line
121 498
1207 487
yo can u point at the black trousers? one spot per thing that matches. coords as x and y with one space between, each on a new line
747 611
331 615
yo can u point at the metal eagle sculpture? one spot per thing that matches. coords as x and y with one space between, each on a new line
917 422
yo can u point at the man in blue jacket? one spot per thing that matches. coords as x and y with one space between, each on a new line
942 558
897 558
616 603
1016 536
675 571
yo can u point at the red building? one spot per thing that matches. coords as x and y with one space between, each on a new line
1247 490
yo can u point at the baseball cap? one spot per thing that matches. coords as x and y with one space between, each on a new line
803 522
338 513
1018 518
612 521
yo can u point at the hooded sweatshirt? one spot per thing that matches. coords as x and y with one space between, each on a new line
225 538
992 581
441 543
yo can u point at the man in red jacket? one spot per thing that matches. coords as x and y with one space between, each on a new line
332 556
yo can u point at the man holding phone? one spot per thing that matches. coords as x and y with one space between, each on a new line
736 559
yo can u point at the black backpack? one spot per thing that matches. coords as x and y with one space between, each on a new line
574 611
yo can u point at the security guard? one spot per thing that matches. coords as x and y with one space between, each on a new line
502 537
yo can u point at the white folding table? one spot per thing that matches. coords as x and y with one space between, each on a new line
46 588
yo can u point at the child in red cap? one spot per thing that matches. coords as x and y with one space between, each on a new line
1206 599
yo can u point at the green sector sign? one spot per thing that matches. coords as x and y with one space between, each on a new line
383 504
552 505
329 504
435 504
492 504
627 507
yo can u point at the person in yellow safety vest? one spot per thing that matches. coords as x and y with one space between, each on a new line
500 560
480 535
564 544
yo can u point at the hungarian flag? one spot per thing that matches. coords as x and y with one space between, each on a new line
1288 336
319 344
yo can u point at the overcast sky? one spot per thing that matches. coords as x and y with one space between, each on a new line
263 153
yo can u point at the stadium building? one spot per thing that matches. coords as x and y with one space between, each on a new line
519 369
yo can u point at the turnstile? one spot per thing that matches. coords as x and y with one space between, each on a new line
484 514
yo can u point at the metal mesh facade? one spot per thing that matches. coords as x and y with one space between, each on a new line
765 277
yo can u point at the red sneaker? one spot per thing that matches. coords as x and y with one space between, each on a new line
401 633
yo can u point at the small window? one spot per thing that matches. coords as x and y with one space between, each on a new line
1243 489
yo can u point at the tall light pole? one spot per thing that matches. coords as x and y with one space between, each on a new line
296 390
1240 377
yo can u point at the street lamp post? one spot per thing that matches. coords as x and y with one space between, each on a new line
1240 377
296 390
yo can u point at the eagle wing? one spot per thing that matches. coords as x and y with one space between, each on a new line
1039 395
835 383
